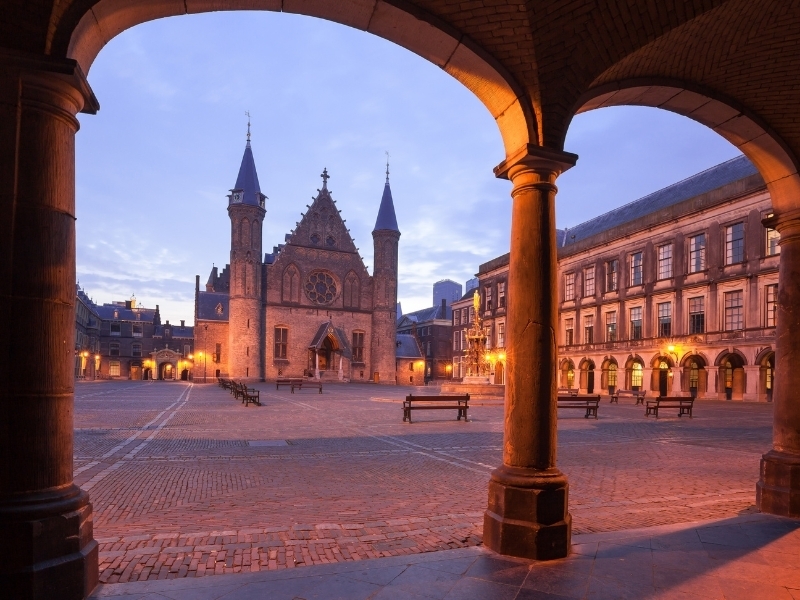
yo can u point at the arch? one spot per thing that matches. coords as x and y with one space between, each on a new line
256 235
698 357
764 356
726 354
632 360
773 158
81 35
586 363
567 371
290 288
352 290
660 358
609 372
587 382
694 375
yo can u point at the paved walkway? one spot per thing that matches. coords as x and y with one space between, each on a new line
753 557
187 482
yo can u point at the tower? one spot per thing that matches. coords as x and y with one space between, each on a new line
246 211
386 238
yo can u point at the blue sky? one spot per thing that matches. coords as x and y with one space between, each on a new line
155 164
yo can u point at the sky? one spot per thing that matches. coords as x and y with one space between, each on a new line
154 166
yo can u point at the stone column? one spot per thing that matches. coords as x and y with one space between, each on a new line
675 381
527 514
752 376
47 548
778 489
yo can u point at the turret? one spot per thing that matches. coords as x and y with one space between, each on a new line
246 211
386 238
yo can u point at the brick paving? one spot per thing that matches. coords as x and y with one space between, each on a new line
187 482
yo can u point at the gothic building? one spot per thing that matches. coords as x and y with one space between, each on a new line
309 308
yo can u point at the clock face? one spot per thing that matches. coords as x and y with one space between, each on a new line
237 197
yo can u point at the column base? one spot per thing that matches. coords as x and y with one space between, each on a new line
527 515
778 488
48 549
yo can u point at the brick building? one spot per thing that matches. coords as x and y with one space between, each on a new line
87 336
308 308
674 293
432 329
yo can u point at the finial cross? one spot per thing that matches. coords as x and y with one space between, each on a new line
325 177
387 167
247 112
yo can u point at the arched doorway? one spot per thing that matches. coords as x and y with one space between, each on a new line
587 376
567 374
660 375
185 375
694 377
766 377
499 372
608 377
731 376
166 371
634 374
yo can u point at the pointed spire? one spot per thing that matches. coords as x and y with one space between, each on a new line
247 189
387 220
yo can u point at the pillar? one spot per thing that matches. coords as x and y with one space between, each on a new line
675 381
47 548
778 489
752 377
527 512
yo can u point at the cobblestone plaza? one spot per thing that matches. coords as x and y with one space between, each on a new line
187 482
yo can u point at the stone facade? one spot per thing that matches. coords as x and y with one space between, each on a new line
308 308
674 293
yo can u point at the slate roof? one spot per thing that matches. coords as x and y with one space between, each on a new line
338 333
428 314
387 220
207 306
247 181
407 346
106 313
178 331
701 183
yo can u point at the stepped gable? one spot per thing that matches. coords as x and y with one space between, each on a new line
322 226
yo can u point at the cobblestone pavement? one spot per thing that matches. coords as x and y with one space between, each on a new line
186 481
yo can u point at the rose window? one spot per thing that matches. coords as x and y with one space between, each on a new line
320 287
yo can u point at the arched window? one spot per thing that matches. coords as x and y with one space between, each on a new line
727 369
352 291
570 377
256 234
245 227
291 285
694 375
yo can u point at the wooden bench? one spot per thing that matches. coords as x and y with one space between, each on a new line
459 403
628 394
301 383
683 404
250 395
287 381
587 403
567 391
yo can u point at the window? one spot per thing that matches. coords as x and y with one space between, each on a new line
113 349
464 339
569 331
636 375
734 244
358 346
411 367
489 330
665 261
464 318
664 319
694 375
734 311
569 287
501 294
611 326
428 349
218 353
281 342
612 275
771 292
456 317
487 290
113 368
186 349
471 313
588 282
137 329
612 375
773 242
136 350
636 268
697 253
501 335
456 340
588 329
116 329
636 323
697 315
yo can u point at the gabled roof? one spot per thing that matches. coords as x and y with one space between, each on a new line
701 183
428 314
178 331
387 220
207 303
322 226
143 315
407 346
338 334
247 181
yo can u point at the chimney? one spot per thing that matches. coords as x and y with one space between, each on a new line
128 304
167 322
183 323
444 308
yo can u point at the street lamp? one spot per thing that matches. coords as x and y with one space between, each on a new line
203 354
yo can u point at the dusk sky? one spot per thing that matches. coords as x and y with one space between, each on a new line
155 164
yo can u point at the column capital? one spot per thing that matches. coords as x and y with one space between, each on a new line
787 223
536 158
64 69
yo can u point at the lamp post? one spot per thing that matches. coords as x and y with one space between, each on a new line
203 354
